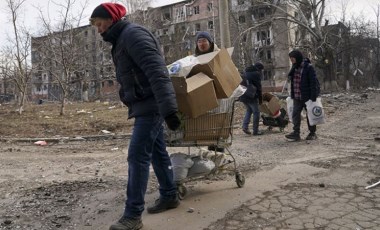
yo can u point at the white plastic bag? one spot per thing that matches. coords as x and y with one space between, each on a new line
182 67
289 107
201 166
181 163
240 90
315 112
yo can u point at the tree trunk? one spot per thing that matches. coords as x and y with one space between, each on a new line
62 111
329 71
85 96
225 41
21 103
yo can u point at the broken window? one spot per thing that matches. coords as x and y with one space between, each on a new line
166 14
263 37
197 27
242 19
210 25
269 55
189 11
262 12
209 6
196 9
244 38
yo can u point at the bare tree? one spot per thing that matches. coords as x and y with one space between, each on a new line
18 51
376 73
7 77
307 18
136 5
310 19
364 49
139 12
62 55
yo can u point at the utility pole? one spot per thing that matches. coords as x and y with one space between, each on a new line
225 41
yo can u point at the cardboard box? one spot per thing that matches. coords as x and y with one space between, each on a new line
208 127
195 95
271 108
218 65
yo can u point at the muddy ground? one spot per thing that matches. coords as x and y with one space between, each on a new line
79 183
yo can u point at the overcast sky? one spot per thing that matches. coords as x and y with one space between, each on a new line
30 13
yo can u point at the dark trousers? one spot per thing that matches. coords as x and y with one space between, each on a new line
252 108
147 145
299 105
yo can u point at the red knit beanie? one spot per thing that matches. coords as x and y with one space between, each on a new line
114 11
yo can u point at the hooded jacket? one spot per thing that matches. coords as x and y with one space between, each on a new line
309 86
141 71
253 75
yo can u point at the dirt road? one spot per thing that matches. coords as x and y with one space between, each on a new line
289 185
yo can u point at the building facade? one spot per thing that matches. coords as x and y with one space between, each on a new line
254 35
76 62
86 71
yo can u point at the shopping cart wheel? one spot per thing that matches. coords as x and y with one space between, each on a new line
182 191
240 179
270 128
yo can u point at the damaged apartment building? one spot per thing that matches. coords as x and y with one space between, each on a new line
254 36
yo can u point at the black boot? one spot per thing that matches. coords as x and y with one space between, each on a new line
293 136
127 224
257 133
311 136
163 205
246 131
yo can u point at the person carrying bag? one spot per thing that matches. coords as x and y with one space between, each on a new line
252 97
251 89
304 87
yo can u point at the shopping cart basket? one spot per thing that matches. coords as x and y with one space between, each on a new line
280 121
215 128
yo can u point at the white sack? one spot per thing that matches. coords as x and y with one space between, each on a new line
181 163
201 166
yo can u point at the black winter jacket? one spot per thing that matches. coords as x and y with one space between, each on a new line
253 75
141 71
310 88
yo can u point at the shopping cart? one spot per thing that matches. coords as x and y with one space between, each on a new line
280 119
213 129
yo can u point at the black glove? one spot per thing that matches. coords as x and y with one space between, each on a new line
173 121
